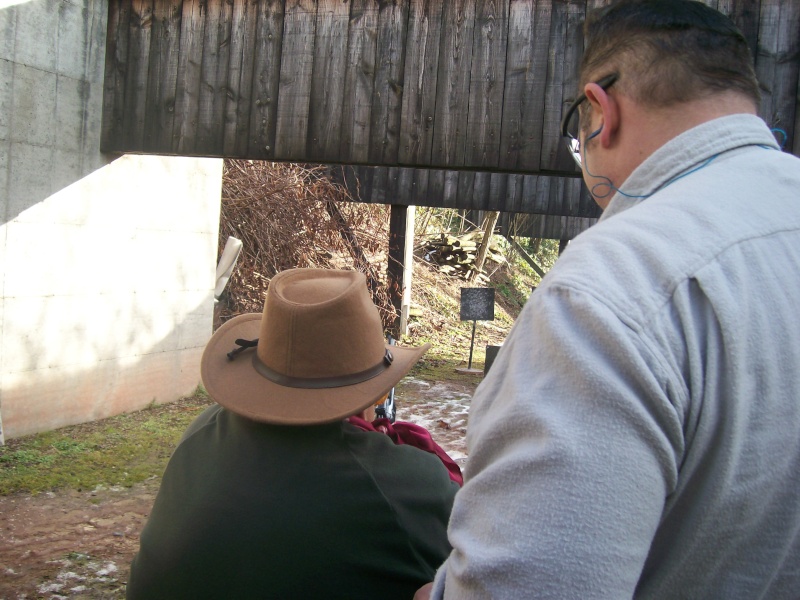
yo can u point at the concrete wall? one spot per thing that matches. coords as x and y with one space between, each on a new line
106 289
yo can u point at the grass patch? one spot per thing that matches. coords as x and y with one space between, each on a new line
121 450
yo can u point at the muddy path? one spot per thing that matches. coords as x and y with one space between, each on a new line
70 544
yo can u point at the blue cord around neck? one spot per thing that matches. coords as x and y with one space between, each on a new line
612 188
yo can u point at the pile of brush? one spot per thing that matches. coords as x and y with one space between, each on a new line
290 215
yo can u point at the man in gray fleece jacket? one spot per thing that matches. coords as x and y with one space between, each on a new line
639 433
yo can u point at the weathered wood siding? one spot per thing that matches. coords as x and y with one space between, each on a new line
478 190
557 207
456 84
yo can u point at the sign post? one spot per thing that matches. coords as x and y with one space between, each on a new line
477 304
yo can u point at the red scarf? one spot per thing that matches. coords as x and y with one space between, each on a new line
412 435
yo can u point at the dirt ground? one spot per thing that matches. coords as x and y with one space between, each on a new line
79 544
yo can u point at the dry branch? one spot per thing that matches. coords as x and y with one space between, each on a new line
282 213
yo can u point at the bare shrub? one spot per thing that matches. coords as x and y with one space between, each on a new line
290 215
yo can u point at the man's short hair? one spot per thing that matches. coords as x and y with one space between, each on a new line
668 51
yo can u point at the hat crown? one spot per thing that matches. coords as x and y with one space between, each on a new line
320 323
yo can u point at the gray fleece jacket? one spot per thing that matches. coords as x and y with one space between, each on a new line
639 433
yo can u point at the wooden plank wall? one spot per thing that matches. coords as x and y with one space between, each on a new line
556 207
481 190
456 84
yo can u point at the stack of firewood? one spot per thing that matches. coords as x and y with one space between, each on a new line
455 255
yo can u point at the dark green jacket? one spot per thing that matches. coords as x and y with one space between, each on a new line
248 510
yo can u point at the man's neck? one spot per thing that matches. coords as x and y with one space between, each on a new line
643 129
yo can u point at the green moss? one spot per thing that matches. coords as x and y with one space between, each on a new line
122 450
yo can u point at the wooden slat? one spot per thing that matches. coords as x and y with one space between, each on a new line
487 81
766 56
529 188
414 83
450 198
359 81
565 47
328 80
571 202
515 188
555 195
419 81
392 191
519 83
265 80
550 141
535 108
420 183
745 14
500 185
469 190
794 147
466 188
380 182
297 60
588 206
355 181
387 94
223 93
405 187
480 190
162 75
783 99
436 183
187 91
576 15
541 198
452 84
240 77
139 35
208 124
116 67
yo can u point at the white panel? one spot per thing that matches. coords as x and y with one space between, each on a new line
6 81
195 331
79 331
71 50
158 265
37 33
91 122
107 264
92 201
185 190
5 145
33 108
57 397
69 115
29 169
66 169
8 25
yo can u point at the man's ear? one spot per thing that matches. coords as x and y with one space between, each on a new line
605 113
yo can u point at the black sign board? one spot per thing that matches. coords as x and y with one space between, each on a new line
477 304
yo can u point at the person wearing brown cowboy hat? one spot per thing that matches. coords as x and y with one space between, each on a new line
271 493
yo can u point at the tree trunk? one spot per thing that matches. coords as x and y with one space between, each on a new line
488 229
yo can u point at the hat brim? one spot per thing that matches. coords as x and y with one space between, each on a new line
236 385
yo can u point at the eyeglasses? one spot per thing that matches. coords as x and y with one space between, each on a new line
569 124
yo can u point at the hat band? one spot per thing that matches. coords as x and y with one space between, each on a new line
317 383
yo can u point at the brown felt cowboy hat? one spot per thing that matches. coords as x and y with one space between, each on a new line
320 354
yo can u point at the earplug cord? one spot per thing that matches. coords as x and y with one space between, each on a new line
612 188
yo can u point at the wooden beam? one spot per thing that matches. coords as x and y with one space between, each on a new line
398 225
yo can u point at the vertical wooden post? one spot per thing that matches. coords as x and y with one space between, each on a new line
398 222
408 268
